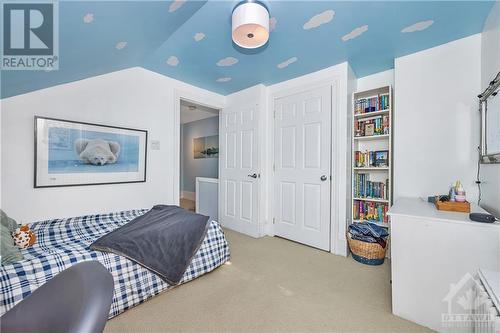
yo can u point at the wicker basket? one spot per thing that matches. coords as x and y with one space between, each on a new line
366 253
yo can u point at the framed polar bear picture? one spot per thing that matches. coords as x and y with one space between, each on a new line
71 153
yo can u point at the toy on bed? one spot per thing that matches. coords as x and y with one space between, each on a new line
24 237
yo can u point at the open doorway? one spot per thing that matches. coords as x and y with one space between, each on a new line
199 157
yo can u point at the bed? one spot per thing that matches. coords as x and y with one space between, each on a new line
62 243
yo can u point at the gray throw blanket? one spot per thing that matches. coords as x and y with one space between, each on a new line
163 240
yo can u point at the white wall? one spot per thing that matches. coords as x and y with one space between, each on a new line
436 119
377 80
135 98
342 78
490 66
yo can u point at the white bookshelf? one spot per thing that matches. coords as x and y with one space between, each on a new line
367 143
371 114
371 137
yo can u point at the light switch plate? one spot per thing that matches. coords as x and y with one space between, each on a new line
155 144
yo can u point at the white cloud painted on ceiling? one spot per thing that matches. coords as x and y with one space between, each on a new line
272 23
198 36
175 5
287 62
228 61
173 61
320 19
419 26
121 45
88 18
355 33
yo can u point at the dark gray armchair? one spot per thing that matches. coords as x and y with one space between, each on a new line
76 300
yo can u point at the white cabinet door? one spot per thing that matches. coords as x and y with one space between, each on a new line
302 167
239 169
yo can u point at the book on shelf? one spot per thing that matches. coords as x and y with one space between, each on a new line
377 125
371 159
370 211
371 104
366 189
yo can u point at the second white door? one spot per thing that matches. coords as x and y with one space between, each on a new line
302 154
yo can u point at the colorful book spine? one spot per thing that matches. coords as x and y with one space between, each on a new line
371 104
364 188
377 125
370 211
364 159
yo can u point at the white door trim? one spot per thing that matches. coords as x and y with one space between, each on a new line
338 187
197 98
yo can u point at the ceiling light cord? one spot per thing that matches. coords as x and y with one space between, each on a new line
478 175
492 90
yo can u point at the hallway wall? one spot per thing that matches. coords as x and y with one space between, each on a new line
201 167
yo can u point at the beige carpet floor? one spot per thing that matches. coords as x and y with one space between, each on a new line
273 285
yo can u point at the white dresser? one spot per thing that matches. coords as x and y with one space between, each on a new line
435 258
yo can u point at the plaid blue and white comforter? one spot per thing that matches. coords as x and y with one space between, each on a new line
64 242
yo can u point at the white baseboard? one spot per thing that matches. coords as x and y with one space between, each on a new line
188 195
340 248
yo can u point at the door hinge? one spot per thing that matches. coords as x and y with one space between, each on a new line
274 167
274 220
274 114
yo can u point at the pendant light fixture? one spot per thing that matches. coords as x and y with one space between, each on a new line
250 23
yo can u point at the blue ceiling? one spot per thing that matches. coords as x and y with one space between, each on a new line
89 32
191 41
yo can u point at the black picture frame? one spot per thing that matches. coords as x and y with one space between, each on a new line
37 145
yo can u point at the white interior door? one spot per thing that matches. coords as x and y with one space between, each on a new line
302 167
239 169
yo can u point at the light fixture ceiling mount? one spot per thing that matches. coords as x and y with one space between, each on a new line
250 24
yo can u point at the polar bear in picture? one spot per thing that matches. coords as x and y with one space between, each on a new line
97 151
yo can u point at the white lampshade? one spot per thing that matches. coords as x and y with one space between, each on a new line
250 25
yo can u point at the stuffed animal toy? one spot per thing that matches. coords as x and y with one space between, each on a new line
24 237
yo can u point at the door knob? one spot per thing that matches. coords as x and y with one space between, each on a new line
323 178
253 176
